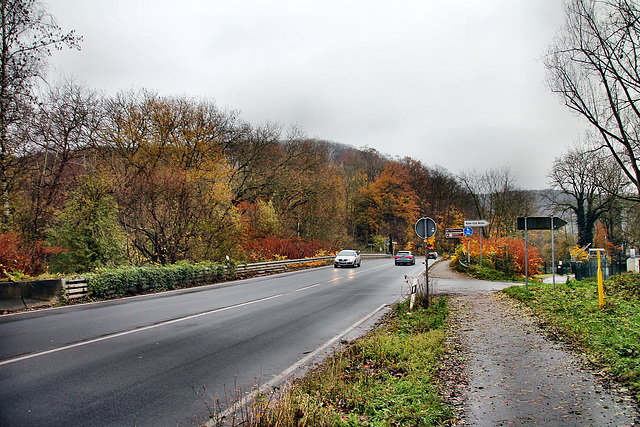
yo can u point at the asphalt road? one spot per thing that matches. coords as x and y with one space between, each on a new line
152 360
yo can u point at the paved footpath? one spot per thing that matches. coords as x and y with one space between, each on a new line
509 373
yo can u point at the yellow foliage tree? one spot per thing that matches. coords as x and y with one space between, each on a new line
169 176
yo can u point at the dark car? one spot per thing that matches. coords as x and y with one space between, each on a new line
405 257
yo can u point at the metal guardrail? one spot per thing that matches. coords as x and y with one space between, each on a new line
77 287
271 266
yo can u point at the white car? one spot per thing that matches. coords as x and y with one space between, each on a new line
347 258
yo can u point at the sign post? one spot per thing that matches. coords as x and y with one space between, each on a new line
478 223
468 231
526 258
539 223
553 256
425 229
600 282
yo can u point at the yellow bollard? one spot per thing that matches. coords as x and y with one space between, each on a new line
600 283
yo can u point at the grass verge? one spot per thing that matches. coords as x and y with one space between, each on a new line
609 335
387 378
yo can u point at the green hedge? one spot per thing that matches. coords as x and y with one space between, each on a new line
124 281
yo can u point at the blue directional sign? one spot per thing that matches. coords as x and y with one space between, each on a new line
468 231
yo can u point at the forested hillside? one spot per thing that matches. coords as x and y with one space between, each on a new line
140 178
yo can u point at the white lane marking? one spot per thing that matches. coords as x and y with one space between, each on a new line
284 374
336 279
311 286
133 331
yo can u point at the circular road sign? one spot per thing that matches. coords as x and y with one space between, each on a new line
426 228
468 231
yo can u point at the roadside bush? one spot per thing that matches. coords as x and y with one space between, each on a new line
19 259
88 230
124 281
488 272
502 259
270 248
627 284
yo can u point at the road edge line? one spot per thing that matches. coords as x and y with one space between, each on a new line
284 374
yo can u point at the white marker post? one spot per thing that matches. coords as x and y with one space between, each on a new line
553 256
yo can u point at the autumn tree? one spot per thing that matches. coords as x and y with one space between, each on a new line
622 223
436 188
631 225
28 36
602 239
366 160
358 168
593 66
308 193
388 206
263 220
169 176
255 157
440 197
290 171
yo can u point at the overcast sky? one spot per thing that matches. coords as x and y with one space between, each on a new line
459 84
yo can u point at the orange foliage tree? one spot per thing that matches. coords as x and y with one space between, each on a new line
505 253
274 247
388 206
601 240
19 259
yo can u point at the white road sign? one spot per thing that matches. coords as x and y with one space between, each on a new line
476 223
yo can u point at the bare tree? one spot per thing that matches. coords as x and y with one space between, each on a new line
497 199
60 134
580 175
28 34
594 66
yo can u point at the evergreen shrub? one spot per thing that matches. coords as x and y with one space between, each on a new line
125 281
